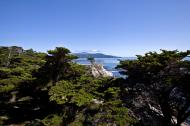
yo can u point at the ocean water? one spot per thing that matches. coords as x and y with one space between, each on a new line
108 63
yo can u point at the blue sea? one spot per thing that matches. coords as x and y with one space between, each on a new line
108 63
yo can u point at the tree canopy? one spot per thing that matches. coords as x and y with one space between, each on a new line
162 80
50 89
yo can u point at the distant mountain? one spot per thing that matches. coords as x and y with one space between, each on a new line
95 55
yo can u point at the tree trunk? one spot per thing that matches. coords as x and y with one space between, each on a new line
183 118
165 107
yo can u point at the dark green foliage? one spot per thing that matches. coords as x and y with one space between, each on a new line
91 59
58 63
165 79
49 89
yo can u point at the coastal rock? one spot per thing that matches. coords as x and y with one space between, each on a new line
97 70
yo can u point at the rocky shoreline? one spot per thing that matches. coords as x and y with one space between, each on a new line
97 70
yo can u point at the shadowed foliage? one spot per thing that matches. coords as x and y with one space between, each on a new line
161 82
49 89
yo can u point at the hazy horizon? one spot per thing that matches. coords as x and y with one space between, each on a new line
115 27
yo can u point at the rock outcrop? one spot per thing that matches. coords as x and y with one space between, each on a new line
97 70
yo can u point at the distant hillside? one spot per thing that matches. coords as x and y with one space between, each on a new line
95 55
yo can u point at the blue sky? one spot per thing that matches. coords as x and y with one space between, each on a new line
118 27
